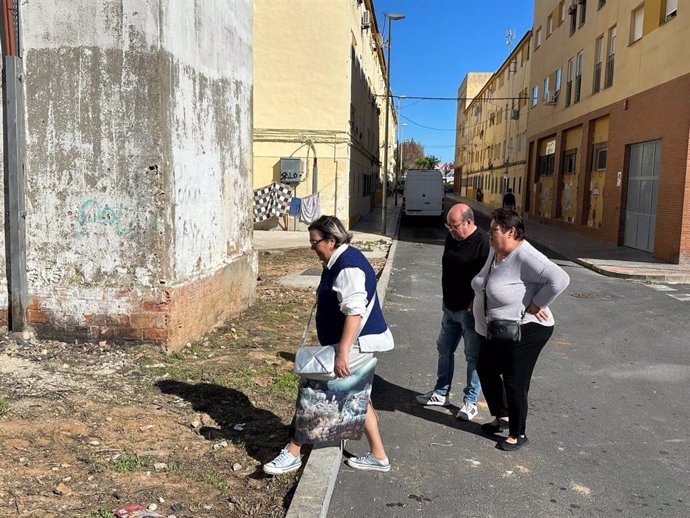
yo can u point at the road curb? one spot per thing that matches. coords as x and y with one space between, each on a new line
315 487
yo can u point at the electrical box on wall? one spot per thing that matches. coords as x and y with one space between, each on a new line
291 170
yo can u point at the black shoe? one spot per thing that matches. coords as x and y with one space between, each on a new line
506 446
495 428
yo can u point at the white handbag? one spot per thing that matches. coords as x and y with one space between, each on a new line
317 362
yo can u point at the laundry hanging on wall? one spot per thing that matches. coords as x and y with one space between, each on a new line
295 206
272 200
310 208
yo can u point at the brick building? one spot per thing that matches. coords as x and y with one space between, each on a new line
607 123
608 144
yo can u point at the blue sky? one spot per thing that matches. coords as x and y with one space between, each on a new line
433 48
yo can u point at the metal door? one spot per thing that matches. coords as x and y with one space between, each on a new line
643 183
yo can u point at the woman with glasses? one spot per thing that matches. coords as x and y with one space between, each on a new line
348 318
517 284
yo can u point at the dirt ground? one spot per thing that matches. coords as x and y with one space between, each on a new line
85 428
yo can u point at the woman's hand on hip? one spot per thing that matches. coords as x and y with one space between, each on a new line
542 314
341 368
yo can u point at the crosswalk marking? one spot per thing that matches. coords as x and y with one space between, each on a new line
683 297
661 287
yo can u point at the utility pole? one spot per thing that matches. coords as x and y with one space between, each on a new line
391 19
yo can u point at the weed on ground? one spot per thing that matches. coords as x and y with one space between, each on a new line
86 428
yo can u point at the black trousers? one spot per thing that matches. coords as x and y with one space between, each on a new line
505 372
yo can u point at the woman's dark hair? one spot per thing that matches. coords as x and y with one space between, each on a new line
507 219
331 227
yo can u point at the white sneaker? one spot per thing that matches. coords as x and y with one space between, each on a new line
285 462
467 412
433 398
369 462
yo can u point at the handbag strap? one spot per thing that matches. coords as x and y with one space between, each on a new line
486 281
365 317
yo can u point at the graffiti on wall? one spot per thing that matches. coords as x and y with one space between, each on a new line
568 207
92 212
596 203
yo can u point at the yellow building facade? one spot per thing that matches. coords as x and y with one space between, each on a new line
319 96
491 150
608 145
606 120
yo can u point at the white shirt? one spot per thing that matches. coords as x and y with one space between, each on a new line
349 286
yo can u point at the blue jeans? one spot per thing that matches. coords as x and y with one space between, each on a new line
456 325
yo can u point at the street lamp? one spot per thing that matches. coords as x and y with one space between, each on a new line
391 18
400 155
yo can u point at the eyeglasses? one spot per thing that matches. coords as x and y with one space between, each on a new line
316 242
454 227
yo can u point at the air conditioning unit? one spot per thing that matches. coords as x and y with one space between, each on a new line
366 19
551 98
515 114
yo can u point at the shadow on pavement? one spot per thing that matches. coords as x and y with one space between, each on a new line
387 396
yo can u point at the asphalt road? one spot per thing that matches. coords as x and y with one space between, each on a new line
608 421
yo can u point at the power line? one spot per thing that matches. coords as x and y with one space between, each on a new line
431 98
425 127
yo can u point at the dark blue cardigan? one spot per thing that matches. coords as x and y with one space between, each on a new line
329 319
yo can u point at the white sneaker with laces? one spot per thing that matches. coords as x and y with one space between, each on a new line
369 462
467 412
433 398
285 462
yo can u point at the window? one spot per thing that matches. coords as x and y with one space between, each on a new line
535 95
545 165
572 11
549 25
562 12
598 58
545 93
537 39
578 76
671 9
569 83
602 3
557 85
583 11
610 57
600 156
569 161
636 23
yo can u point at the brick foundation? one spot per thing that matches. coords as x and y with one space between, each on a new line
661 113
169 316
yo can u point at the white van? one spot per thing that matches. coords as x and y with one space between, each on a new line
423 194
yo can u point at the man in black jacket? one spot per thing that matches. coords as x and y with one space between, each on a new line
465 252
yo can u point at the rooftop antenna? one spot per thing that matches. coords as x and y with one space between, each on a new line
510 34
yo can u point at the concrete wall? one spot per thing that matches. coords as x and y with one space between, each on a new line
138 166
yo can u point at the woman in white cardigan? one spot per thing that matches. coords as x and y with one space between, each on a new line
517 283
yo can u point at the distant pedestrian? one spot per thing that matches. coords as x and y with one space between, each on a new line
509 200
517 283
465 252
341 409
479 195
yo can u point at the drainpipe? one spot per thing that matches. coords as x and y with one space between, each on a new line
14 159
